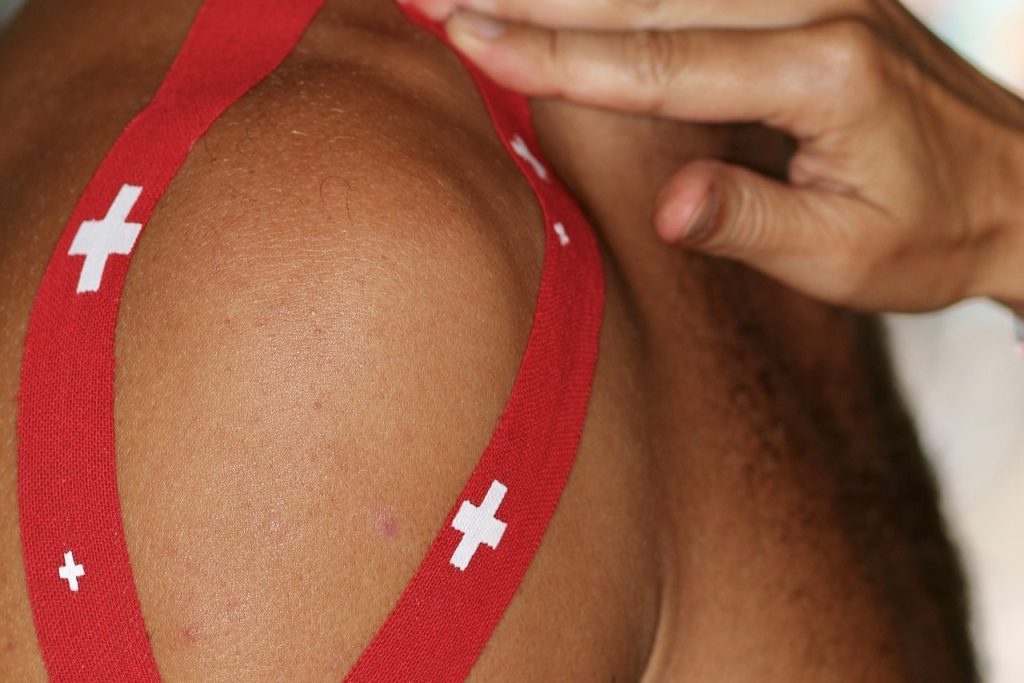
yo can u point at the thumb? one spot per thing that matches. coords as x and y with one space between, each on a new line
731 211
805 237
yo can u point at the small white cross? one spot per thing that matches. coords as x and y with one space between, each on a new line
71 572
563 236
478 525
97 240
520 147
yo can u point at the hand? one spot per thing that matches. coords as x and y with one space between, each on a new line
903 191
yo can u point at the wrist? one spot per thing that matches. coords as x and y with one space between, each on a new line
1000 272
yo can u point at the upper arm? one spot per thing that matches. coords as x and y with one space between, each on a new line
320 329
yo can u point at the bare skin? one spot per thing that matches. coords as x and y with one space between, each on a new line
749 501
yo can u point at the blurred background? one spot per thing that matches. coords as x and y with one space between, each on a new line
964 378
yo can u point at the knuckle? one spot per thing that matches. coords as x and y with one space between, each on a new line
851 57
554 52
740 224
752 220
653 57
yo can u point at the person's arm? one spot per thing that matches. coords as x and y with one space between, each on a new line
905 189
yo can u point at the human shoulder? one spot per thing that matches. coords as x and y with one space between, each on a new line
322 324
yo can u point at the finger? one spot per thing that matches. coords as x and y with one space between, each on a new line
790 79
804 237
732 211
660 14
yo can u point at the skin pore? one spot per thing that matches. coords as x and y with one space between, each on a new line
320 329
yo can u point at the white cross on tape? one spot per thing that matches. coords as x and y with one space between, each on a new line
563 236
524 152
478 525
98 240
71 572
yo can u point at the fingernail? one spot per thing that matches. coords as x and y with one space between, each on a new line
702 221
480 25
